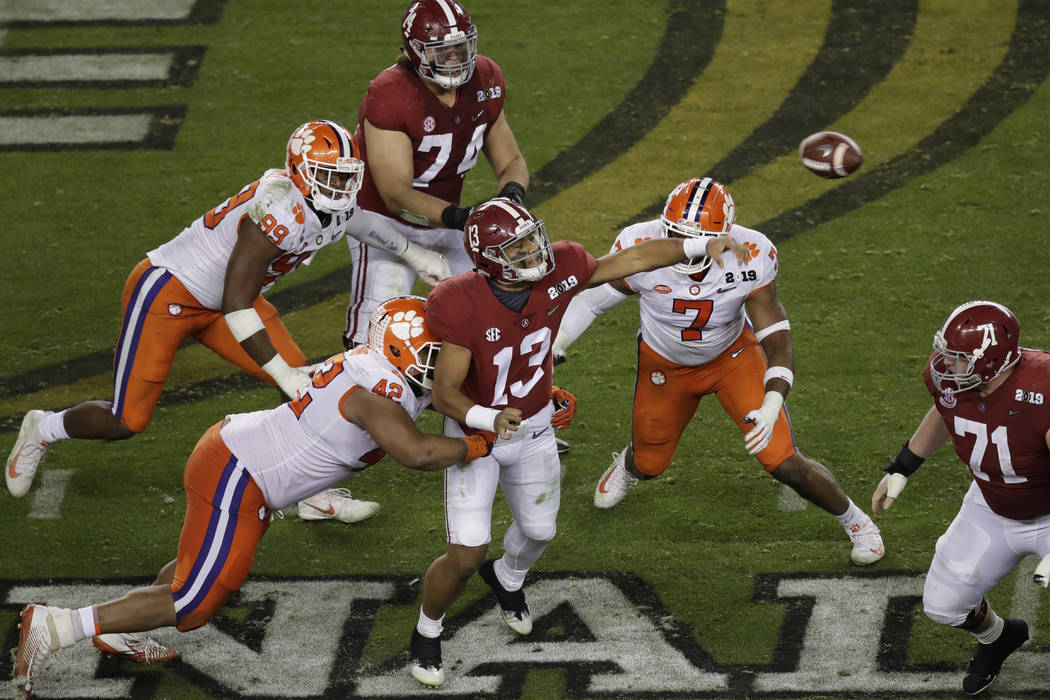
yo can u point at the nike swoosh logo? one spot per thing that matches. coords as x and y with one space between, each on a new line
11 470
477 116
738 350
724 290
601 486
536 435
1015 411
329 511
551 311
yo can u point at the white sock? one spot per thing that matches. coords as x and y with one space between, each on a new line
993 632
427 627
510 579
52 428
852 516
85 622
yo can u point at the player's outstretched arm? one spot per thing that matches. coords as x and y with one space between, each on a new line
393 430
931 434
584 308
654 254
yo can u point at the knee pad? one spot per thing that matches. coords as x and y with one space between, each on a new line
539 531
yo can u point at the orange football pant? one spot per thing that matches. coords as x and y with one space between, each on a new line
666 396
226 516
159 314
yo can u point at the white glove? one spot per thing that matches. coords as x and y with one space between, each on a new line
289 379
558 349
764 419
431 266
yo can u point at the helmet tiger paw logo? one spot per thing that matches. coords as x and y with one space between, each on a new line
301 140
406 324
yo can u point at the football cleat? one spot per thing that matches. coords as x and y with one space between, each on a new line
867 543
988 659
337 504
512 603
37 642
614 482
26 455
426 659
563 445
134 647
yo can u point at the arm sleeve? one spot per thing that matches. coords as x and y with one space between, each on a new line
583 309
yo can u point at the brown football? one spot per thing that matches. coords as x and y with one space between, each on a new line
830 154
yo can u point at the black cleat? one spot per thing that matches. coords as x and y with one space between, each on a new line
426 659
512 603
988 659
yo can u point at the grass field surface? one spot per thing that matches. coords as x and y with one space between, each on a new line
709 581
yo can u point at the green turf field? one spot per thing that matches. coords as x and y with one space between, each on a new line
709 581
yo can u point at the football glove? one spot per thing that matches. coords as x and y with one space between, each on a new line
479 444
763 418
565 404
513 191
455 216
431 266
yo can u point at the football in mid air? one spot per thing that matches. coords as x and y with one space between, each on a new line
830 154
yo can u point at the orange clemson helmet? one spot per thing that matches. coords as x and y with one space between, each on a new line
698 208
325 165
398 330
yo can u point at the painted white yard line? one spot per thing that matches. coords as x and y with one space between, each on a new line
49 494
80 129
78 66
66 11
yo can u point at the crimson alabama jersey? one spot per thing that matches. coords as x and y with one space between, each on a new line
1002 436
198 256
692 319
306 445
510 352
446 141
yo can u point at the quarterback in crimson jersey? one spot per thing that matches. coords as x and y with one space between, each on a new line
422 125
358 406
991 398
494 373
695 340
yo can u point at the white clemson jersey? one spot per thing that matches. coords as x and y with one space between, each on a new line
198 256
306 445
692 321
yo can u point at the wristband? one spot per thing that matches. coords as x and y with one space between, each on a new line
455 216
244 323
695 247
778 372
482 418
771 329
513 191
895 483
905 462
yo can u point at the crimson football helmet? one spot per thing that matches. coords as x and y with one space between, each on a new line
976 344
441 41
700 207
325 165
507 242
398 330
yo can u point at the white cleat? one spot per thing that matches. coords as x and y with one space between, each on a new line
37 642
26 455
614 483
337 504
512 604
867 544
134 647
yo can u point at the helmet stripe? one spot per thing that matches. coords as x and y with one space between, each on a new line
449 14
341 136
695 205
